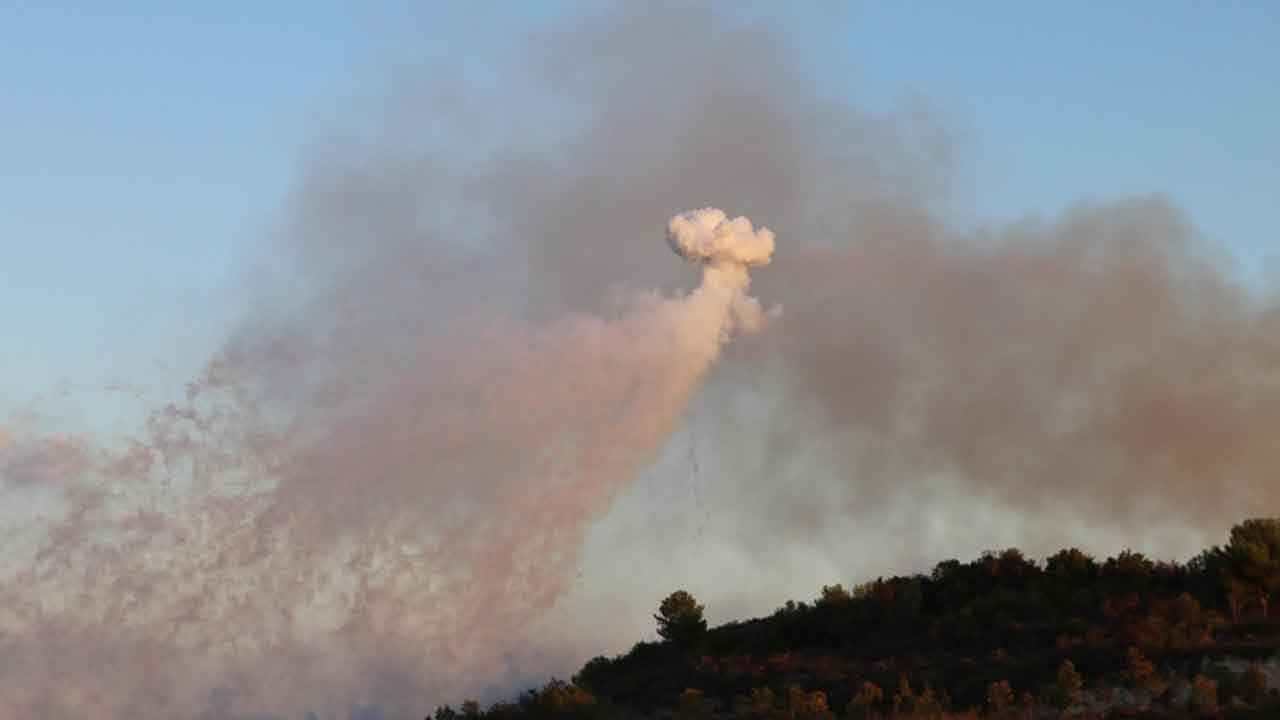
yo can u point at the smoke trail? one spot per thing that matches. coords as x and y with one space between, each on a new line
386 543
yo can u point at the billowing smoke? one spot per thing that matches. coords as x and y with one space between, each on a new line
408 476
709 236
350 543
725 249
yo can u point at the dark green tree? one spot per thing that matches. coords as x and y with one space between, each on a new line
1255 558
835 595
1218 565
1127 572
680 619
1070 565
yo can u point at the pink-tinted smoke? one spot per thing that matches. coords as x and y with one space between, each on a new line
349 543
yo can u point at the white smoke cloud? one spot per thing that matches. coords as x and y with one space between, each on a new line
725 249
709 236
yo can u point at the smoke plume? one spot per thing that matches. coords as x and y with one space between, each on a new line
393 545
383 543
410 473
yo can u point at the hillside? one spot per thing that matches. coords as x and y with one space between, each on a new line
998 636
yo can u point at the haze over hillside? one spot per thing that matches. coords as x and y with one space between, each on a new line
999 636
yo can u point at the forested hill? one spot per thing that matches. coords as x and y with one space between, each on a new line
999 636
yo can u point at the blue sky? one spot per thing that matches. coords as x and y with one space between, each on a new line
1069 100
146 145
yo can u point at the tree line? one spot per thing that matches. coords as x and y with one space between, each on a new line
998 636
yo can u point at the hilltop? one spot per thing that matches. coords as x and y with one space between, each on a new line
1000 636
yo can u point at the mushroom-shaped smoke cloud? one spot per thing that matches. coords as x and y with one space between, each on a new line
725 248
709 236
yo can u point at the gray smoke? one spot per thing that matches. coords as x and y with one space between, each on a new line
430 421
